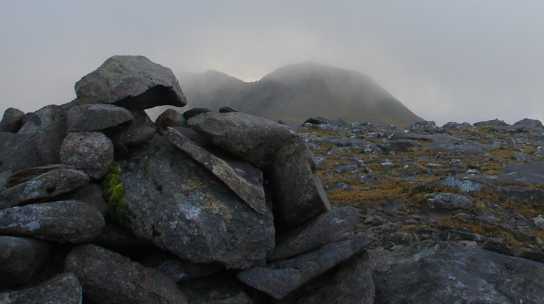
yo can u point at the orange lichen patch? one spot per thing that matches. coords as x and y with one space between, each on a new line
503 154
363 194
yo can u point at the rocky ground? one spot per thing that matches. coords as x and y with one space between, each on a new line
99 204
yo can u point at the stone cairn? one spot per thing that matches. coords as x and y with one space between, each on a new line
99 204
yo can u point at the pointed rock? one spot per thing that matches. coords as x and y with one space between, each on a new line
133 82
96 117
42 187
108 277
62 289
63 221
48 128
298 193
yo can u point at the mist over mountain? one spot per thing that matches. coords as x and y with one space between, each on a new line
295 92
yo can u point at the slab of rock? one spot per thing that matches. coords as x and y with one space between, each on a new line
12 120
24 175
175 202
20 260
179 270
138 132
452 273
449 201
91 152
329 227
170 118
252 194
42 187
248 137
108 277
48 128
62 289
63 221
281 278
298 193
96 117
133 82
349 283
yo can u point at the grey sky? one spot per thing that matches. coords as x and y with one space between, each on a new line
463 60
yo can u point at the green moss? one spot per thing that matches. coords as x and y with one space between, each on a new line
114 194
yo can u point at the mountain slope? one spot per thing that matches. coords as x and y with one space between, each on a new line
296 92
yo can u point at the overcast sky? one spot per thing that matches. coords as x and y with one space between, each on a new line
463 60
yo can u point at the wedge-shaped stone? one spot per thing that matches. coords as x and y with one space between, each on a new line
42 187
252 194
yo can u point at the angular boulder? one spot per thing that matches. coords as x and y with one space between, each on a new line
62 289
528 125
298 193
453 273
252 194
48 128
63 221
91 152
281 278
251 138
96 117
332 226
12 120
108 277
20 259
349 283
133 82
42 187
182 208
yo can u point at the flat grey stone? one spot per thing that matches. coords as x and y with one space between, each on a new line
63 221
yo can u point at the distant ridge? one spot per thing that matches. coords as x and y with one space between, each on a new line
295 92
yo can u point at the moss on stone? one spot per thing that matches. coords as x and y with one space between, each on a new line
114 194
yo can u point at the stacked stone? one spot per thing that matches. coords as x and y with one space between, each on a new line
99 204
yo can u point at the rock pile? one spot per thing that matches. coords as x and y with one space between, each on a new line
98 204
